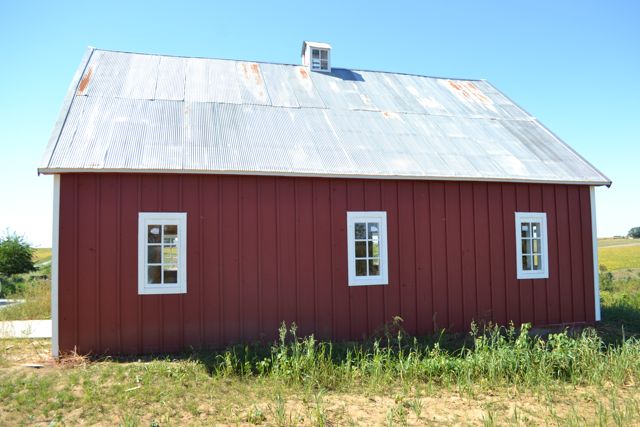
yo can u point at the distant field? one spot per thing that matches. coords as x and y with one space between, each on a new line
617 254
608 241
41 255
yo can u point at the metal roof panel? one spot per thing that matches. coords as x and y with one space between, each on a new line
137 112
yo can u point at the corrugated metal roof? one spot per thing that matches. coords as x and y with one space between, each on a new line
151 113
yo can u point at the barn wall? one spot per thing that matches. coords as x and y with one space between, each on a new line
262 250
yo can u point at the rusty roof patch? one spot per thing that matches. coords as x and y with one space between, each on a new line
82 87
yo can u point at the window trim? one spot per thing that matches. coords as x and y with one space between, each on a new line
365 216
540 217
162 218
320 50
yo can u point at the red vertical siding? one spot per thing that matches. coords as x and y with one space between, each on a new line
497 255
424 287
262 250
482 251
375 294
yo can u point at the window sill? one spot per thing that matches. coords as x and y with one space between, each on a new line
533 277
372 283
162 290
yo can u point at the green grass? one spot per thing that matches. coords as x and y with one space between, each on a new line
609 241
620 257
395 381
36 294
41 255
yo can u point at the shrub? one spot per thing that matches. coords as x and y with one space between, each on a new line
16 255
634 233
606 278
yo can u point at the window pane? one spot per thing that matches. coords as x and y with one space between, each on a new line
324 65
153 233
323 54
170 255
373 230
153 274
170 234
535 229
170 273
374 267
374 249
526 262
525 231
361 267
154 254
361 249
315 53
526 246
536 246
537 262
361 230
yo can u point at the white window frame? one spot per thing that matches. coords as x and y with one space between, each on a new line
369 216
540 217
320 50
162 218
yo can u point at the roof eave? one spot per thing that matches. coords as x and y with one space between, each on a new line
595 183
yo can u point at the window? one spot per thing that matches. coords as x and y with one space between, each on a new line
162 253
367 251
320 59
531 245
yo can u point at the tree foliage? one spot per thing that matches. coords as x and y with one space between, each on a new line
635 233
16 255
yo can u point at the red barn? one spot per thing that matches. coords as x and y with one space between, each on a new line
202 202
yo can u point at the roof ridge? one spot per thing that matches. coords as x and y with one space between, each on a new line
290 64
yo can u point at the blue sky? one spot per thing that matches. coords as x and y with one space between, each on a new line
573 65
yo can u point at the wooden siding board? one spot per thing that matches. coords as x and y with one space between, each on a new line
286 251
263 250
482 251
322 257
389 199
357 294
248 230
540 286
467 247
211 269
66 266
86 290
339 281
171 305
305 266
577 272
512 284
424 295
497 254
453 257
406 254
553 283
587 254
564 255
268 250
526 286
438 255
151 322
375 294
191 307
130 303
107 272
